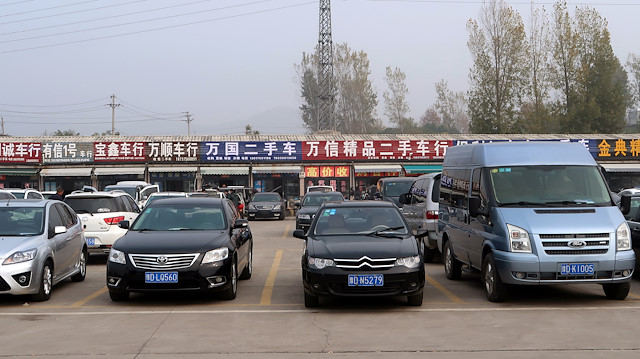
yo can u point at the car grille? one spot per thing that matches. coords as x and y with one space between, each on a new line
365 263
561 244
389 288
264 207
4 285
163 261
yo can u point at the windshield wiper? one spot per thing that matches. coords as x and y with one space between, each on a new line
569 202
385 232
523 203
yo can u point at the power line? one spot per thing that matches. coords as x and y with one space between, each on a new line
456 2
74 104
70 12
48 8
89 109
14 3
160 28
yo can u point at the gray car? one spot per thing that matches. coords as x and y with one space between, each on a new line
41 244
310 204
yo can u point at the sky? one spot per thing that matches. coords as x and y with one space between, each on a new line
229 63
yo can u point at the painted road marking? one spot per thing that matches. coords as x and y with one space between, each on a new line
286 231
271 279
86 299
443 290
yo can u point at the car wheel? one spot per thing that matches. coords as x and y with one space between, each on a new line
46 283
231 292
617 291
281 216
118 296
452 266
429 254
249 218
248 270
415 300
82 266
494 289
310 300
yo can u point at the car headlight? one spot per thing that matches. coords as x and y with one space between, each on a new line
623 237
19 257
519 239
409 262
117 256
277 207
320 263
304 216
216 255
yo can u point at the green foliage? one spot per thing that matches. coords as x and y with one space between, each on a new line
106 133
65 133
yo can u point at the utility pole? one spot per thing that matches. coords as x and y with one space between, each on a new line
188 121
2 125
325 68
113 106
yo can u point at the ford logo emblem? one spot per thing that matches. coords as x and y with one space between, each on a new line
577 244
162 260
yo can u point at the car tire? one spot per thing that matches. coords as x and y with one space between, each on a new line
46 283
82 264
230 293
118 296
249 218
310 300
281 216
429 254
452 266
248 270
494 289
617 291
415 300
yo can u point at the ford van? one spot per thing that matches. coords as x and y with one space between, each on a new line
531 213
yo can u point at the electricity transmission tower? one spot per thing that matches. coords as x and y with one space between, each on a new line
113 106
325 69
188 121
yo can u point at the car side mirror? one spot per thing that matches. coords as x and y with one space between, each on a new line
240 223
299 233
474 207
63 229
124 224
405 198
625 204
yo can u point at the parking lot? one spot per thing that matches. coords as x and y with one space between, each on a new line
268 318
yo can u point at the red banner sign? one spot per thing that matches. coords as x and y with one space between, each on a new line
20 152
374 150
326 171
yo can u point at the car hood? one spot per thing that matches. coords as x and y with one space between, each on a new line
10 245
308 210
355 247
157 242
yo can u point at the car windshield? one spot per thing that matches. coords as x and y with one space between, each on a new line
93 204
549 186
180 217
131 191
395 189
266 197
360 220
162 196
21 221
320 199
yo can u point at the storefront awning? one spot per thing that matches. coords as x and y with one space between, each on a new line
412 169
376 168
276 169
119 171
621 167
66 172
229 170
173 169
18 171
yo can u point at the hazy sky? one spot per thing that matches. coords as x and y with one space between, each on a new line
228 62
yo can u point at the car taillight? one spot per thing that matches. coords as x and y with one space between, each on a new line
432 215
114 220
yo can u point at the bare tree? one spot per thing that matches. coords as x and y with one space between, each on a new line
396 107
452 108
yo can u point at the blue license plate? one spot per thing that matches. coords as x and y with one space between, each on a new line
366 280
91 241
577 268
161 277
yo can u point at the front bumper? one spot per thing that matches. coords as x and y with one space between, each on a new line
608 268
9 275
272 213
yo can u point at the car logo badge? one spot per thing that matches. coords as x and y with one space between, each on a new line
577 244
162 260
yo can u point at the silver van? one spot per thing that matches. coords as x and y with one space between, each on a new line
532 213
420 209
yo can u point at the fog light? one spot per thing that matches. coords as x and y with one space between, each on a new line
216 281
626 273
23 278
113 281
520 275
413 285
316 286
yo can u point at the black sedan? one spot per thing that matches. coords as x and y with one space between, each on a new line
182 244
362 248
267 205
310 204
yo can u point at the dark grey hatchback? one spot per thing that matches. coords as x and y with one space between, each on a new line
361 248
182 244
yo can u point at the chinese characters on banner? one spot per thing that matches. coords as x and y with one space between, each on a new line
616 149
375 150
20 152
67 152
172 151
326 171
119 151
252 151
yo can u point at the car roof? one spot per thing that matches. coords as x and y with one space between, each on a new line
397 179
430 175
97 194
25 202
168 193
356 204
322 193
186 200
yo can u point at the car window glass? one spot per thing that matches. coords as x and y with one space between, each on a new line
266 197
133 204
478 187
21 221
435 193
94 204
70 212
54 220
361 220
454 186
232 213
126 203
633 213
67 221
180 217
148 191
418 192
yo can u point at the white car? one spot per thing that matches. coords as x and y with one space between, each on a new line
25 193
138 190
100 213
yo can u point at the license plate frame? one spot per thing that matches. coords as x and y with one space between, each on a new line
365 280
161 277
577 269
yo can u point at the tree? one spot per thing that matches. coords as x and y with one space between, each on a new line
633 64
64 133
248 130
106 133
452 108
396 107
565 61
307 77
498 47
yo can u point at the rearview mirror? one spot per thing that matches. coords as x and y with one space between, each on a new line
405 198
63 229
123 224
299 233
240 223
625 204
